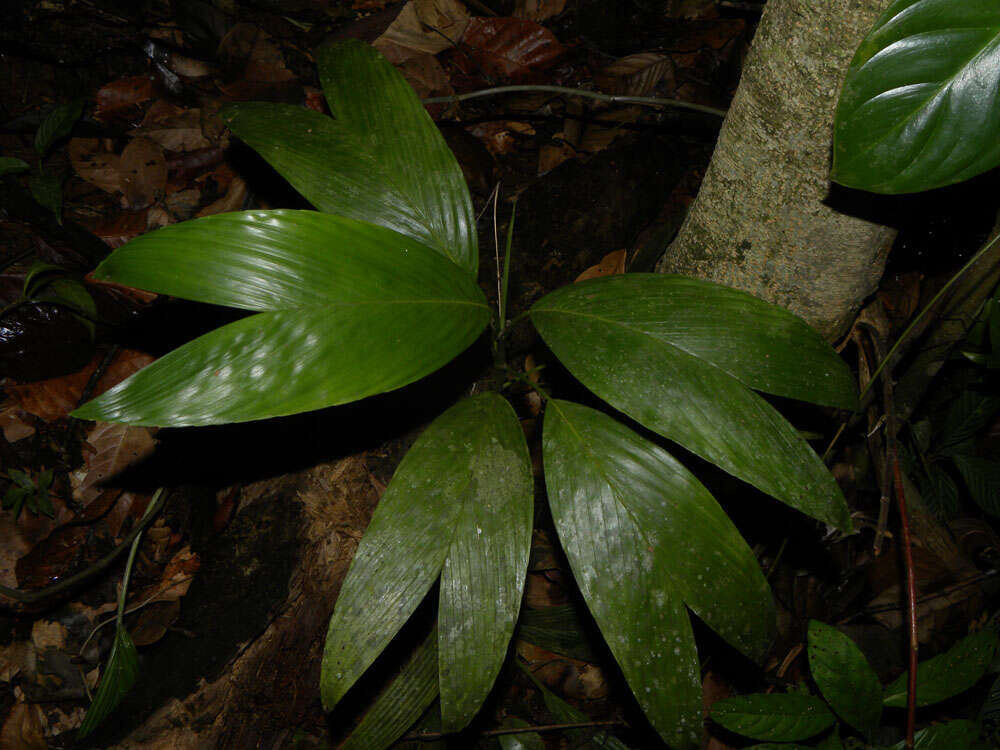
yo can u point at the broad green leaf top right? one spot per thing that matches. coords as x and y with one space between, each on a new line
920 107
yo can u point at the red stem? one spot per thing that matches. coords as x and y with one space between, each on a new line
911 602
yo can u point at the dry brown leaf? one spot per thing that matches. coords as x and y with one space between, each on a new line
24 728
424 73
508 48
429 26
538 10
255 61
610 265
144 173
634 75
174 128
500 136
94 162
14 423
16 658
55 398
121 99
233 200
48 634
115 448
153 621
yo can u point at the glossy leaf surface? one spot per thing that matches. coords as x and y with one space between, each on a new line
844 676
345 310
402 702
643 538
460 505
644 343
56 125
948 674
779 717
920 107
371 98
382 159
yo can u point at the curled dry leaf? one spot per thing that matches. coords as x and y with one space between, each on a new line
428 26
48 634
509 48
15 424
233 200
15 658
425 74
634 75
115 448
611 264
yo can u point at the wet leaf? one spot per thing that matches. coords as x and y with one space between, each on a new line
344 310
779 717
521 740
643 538
634 75
844 676
121 99
918 109
948 674
460 505
679 356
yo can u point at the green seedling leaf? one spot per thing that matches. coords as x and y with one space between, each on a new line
940 492
844 677
680 355
382 160
982 477
345 310
557 629
12 165
967 416
122 669
119 676
57 125
47 191
13 500
403 702
948 674
460 505
643 538
521 740
957 734
918 110
781 717
563 713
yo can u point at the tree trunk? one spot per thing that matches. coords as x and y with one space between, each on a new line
761 221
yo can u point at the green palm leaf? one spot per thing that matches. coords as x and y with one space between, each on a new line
460 505
382 159
685 370
345 310
643 538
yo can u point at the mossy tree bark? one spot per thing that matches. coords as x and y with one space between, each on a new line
761 221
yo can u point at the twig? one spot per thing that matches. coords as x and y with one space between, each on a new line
30 597
648 101
431 736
